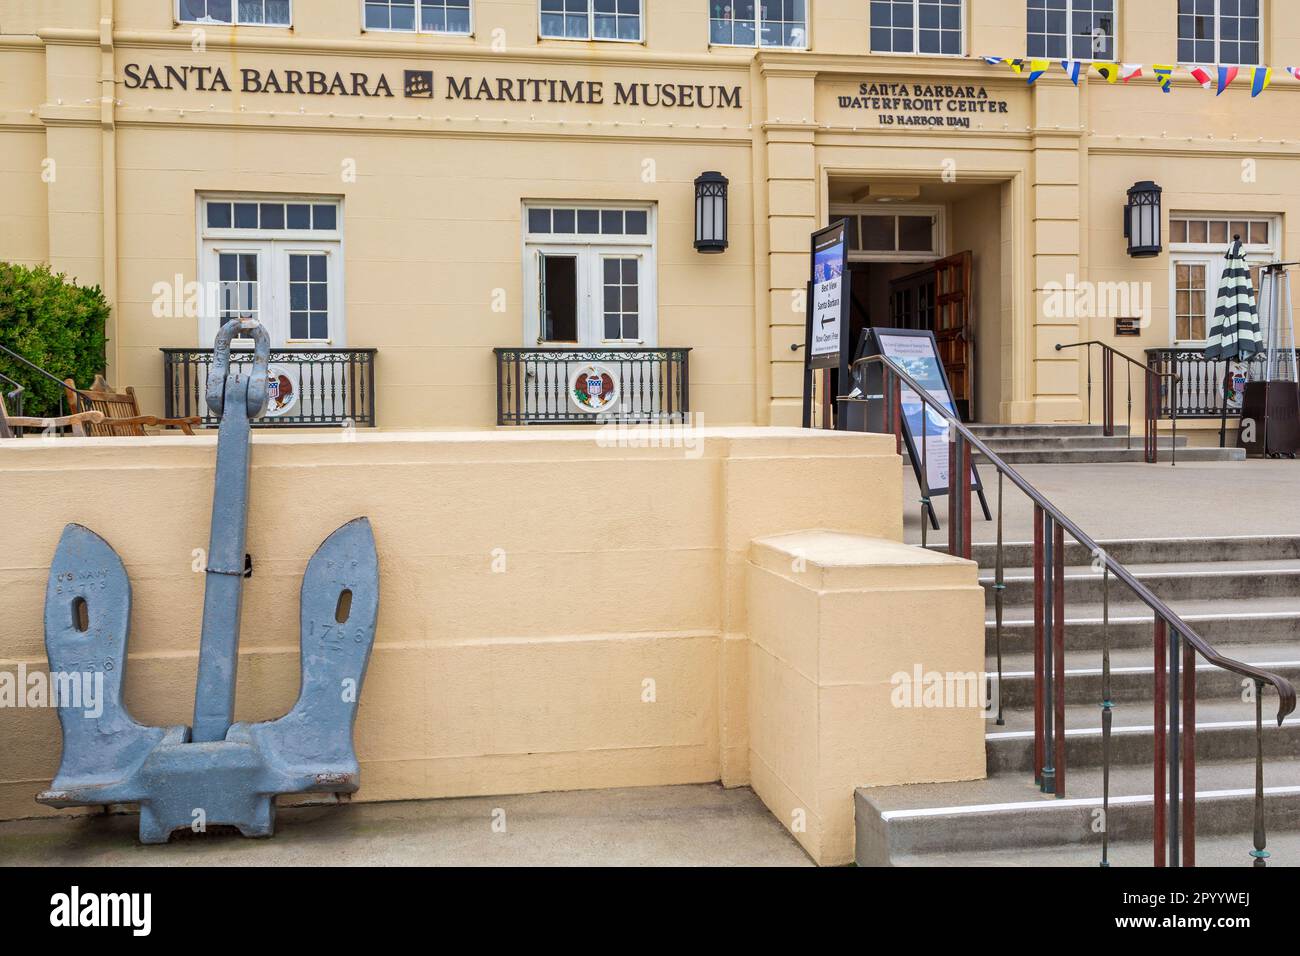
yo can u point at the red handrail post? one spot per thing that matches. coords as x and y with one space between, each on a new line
1158 797
1058 650
1189 754
1040 749
954 485
896 402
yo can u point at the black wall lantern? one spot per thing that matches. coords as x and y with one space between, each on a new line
711 212
1142 220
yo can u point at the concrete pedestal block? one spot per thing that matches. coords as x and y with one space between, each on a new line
866 669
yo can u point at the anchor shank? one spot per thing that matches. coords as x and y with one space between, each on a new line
214 696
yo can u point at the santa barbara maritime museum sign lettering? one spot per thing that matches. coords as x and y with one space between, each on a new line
419 84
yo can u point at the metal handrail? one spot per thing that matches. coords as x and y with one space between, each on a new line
1154 382
63 386
1050 524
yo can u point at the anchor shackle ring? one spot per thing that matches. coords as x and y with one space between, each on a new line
221 365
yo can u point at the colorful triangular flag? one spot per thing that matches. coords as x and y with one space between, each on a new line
1294 71
1072 69
1260 78
1108 71
1202 76
1130 71
1226 75
1164 76
1036 69
994 60
1016 65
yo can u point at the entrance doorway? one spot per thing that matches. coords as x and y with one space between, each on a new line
928 257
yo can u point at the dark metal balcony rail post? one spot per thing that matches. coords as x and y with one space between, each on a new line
335 386
959 495
1155 381
1108 393
1050 524
1175 749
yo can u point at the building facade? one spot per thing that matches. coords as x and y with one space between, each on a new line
424 188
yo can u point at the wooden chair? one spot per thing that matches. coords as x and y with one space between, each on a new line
79 422
121 411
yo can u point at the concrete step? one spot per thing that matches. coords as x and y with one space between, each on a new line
1203 580
1149 551
1005 815
1093 455
1016 443
1046 431
1224 731
1233 850
1133 675
1225 623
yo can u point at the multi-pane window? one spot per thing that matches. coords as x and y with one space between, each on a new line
779 23
1219 31
238 290
917 26
309 301
543 221
622 301
273 13
1197 244
875 232
423 16
272 216
1072 29
591 20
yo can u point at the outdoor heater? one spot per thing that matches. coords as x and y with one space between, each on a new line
1142 220
711 212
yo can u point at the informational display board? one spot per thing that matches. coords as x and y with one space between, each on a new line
917 354
830 300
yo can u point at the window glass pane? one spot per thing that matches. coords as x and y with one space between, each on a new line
637 223
1177 230
1218 231
539 220
272 215
565 220
325 217
245 215
1198 231
589 221
1259 233
611 222
878 233
219 215
915 234
298 216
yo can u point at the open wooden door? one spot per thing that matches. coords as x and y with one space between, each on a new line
953 330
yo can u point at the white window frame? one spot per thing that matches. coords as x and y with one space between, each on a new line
1211 255
591 251
916 33
940 229
274 246
234 19
419 24
591 27
758 28
1218 35
1116 32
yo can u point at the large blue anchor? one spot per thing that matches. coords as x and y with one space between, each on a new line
218 772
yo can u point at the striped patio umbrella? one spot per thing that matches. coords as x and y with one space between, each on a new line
1235 334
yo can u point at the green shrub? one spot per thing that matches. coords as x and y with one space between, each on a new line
53 323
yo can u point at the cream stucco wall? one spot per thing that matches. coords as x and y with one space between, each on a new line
432 220
531 584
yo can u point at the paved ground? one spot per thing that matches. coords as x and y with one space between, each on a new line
646 826
1135 500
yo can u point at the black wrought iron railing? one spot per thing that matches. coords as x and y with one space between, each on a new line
1175 645
1154 384
540 386
1199 391
310 388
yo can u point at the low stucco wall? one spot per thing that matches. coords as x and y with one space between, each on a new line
839 624
536 590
